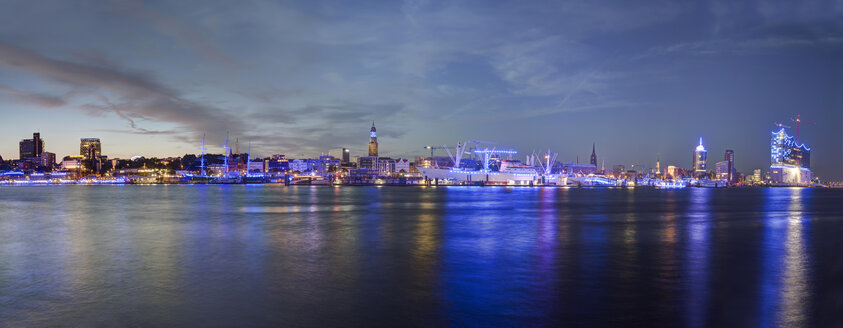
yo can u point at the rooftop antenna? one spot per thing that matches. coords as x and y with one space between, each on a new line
798 122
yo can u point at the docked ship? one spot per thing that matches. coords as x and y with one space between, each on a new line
511 171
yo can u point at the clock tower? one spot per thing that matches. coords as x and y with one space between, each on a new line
373 141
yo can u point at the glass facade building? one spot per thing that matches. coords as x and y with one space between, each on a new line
790 162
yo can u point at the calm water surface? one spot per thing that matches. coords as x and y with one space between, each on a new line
460 256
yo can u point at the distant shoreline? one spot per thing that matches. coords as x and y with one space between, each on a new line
399 185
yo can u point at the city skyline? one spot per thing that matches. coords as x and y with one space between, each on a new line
799 155
150 79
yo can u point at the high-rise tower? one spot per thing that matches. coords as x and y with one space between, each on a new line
658 165
700 155
593 155
730 162
373 141
30 148
91 151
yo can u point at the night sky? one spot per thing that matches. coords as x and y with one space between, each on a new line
641 80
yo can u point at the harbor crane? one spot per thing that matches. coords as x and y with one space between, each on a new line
432 148
799 121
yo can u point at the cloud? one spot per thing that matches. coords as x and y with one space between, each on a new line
135 95
37 99
176 29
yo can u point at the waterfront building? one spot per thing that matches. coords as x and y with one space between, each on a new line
593 160
343 154
302 165
91 151
756 175
571 168
721 170
48 160
255 167
618 170
31 148
90 148
402 164
72 163
790 161
328 164
672 172
367 162
699 164
729 158
383 165
277 163
373 141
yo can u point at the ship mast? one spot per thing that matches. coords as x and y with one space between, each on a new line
225 152
202 162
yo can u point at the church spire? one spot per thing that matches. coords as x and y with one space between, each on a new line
373 141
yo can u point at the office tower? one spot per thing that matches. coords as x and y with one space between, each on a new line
91 150
729 158
30 148
373 141
700 155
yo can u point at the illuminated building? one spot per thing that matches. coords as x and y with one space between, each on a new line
91 151
790 162
721 170
700 155
302 165
402 164
48 160
618 170
373 141
342 154
658 166
729 158
383 165
593 156
578 169
328 164
72 164
672 172
30 148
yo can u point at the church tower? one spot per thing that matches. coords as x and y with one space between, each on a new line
593 156
373 141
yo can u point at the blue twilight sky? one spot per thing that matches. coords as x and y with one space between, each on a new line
640 79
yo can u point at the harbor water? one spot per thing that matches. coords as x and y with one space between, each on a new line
319 256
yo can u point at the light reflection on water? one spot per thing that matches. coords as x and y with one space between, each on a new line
321 256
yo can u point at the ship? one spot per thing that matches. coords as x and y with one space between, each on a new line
512 172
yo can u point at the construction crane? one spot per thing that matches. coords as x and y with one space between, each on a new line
798 122
432 148
781 125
